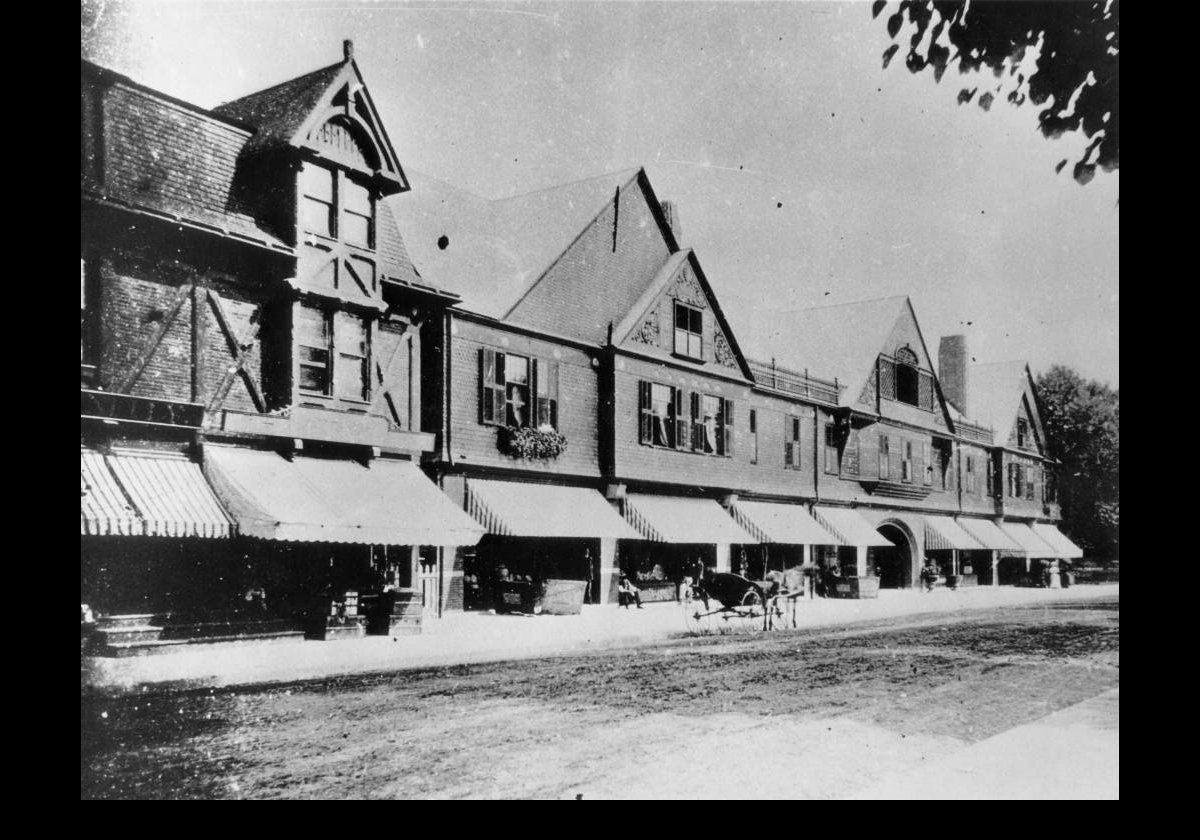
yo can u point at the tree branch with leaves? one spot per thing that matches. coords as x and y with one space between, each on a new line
1061 56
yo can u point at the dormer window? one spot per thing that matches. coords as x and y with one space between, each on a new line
335 206
908 377
689 331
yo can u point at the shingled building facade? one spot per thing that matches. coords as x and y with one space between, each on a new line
319 394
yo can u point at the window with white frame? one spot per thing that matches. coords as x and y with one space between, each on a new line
689 331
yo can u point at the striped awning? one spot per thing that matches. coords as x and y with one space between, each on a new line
850 527
772 522
943 533
519 509
669 519
385 502
170 493
988 534
1057 540
104 508
1031 544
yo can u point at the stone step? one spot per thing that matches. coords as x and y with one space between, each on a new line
164 646
115 621
125 635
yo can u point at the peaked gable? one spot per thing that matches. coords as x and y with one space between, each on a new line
905 345
328 112
650 323
1001 393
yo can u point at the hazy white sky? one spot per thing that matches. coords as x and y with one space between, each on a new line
887 186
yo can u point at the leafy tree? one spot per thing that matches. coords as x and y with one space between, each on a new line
1076 75
1083 431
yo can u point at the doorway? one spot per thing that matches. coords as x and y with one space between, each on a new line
893 563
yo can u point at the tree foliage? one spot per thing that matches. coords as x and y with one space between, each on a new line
1075 76
1083 431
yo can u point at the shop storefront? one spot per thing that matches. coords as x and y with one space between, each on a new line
1023 567
946 543
786 536
339 543
680 537
858 568
995 542
546 547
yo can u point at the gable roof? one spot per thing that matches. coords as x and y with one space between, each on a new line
837 341
278 112
996 392
495 251
287 114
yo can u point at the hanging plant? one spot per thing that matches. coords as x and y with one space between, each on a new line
534 444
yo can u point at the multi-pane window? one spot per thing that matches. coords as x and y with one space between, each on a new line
1022 432
712 425
317 188
885 458
753 423
831 449
906 463
1015 481
333 351
517 390
689 331
357 214
791 443
1030 479
350 366
334 205
312 348
662 407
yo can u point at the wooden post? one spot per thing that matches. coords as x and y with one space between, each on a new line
722 557
608 571
995 568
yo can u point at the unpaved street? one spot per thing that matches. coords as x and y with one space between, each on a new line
823 713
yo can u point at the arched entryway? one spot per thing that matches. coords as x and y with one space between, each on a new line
893 563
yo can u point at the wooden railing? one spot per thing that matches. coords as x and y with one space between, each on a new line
787 381
974 431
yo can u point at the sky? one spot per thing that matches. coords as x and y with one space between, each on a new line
803 172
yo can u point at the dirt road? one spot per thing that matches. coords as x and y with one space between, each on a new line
805 714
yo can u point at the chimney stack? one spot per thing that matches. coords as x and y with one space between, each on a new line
348 49
672 216
952 370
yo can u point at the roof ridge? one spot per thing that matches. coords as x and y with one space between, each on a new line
278 85
846 303
632 170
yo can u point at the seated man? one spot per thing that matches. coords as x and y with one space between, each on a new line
627 593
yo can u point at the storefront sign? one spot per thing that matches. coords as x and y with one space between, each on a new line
105 405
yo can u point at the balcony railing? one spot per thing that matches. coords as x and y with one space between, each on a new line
772 376
973 431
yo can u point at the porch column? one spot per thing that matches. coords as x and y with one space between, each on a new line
805 558
722 557
954 565
608 571
995 568
860 561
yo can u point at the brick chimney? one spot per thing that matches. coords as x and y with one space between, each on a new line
348 49
671 214
952 369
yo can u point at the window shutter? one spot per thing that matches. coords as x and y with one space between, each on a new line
925 391
887 378
681 419
487 373
645 414
884 459
789 446
697 425
727 418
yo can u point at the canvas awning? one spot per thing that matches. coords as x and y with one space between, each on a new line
518 509
170 494
156 494
387 502
104 508
849 527
1031 544
670 519
773 522
943 533
988 534
1057 540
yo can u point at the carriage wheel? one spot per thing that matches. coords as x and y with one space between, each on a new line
750 615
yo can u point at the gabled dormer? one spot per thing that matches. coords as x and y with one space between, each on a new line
678 317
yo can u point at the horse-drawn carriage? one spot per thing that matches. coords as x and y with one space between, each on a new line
722 602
